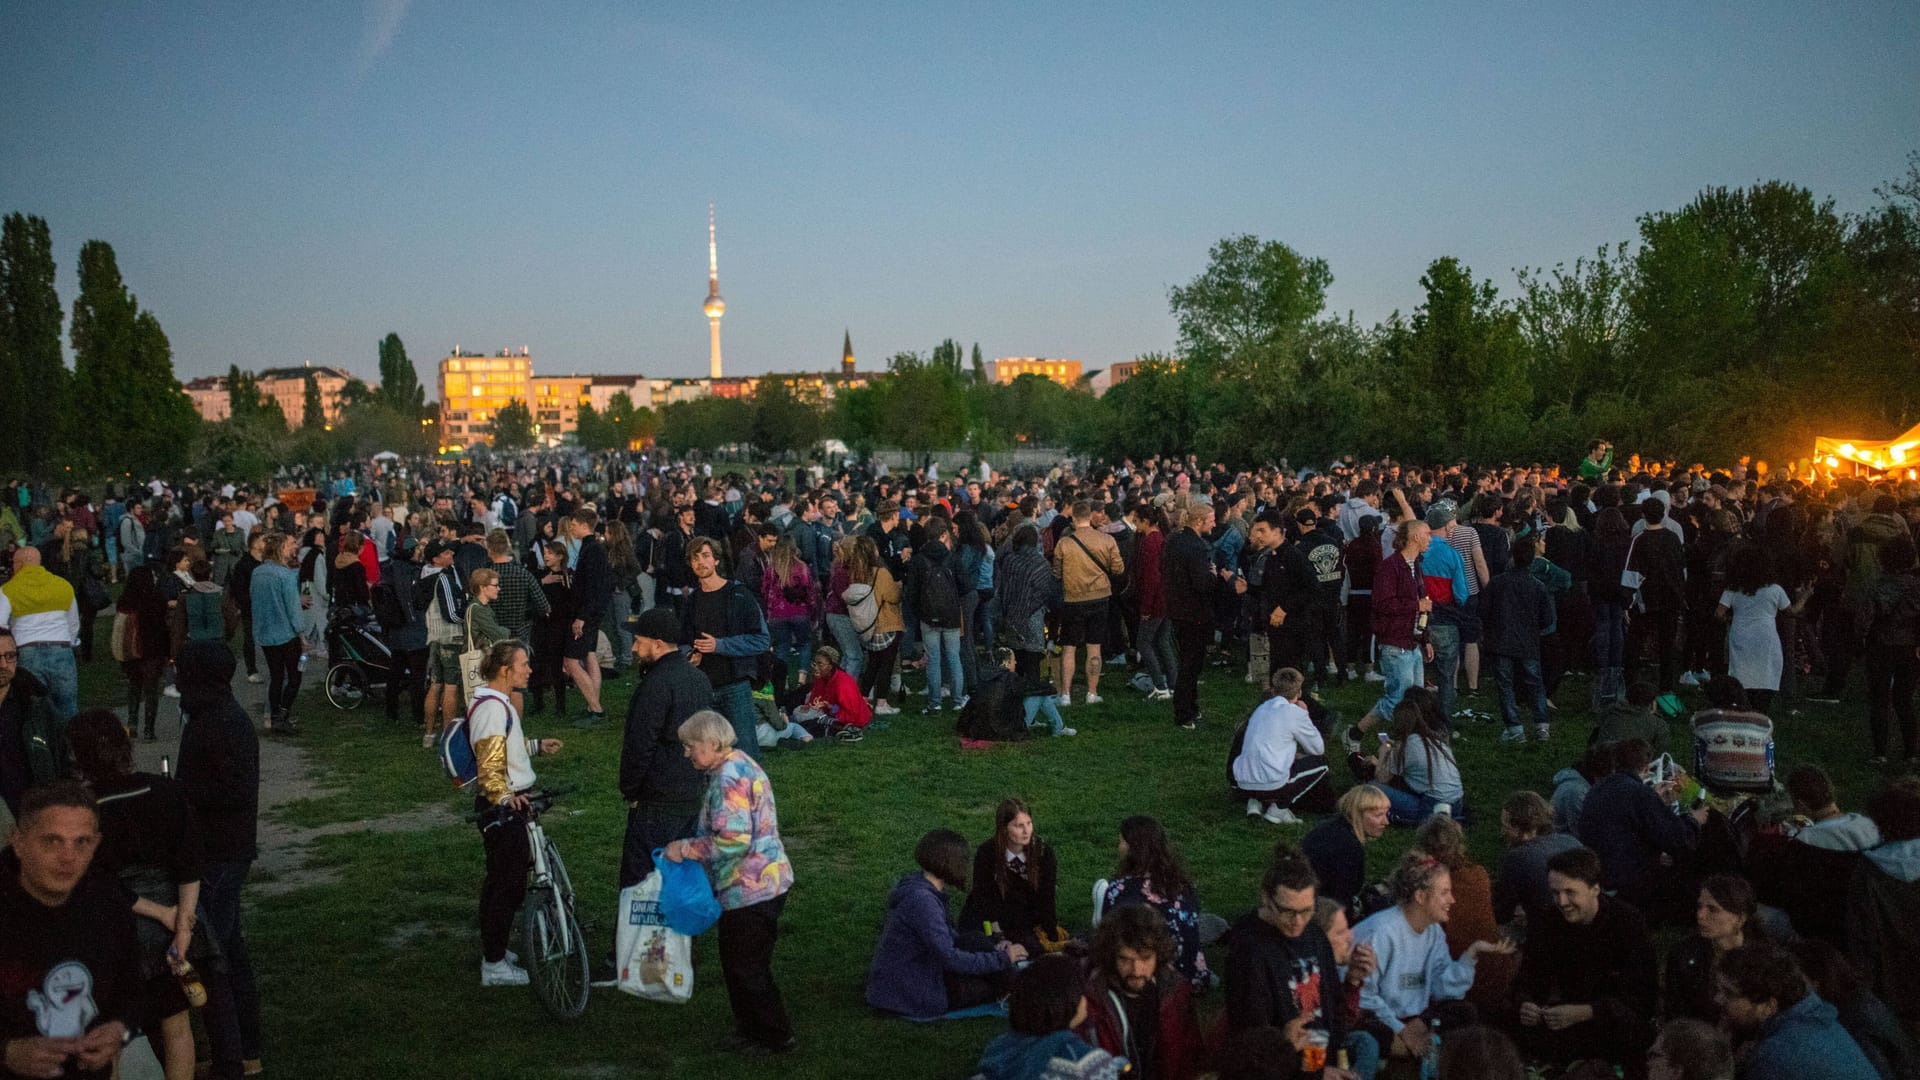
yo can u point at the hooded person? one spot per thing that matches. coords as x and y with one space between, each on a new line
1883 938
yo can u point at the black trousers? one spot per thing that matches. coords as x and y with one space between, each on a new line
650 826
1892 673
747 937
1836 640
1660 631
1622 1043
1309 789
1026 664
509 861
1321 628
283 673
1190 640
876 678
409 672
246 643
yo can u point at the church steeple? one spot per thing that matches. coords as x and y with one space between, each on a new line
846 354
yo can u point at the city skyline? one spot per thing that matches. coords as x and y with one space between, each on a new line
284 185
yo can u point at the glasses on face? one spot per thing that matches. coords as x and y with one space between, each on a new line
9 657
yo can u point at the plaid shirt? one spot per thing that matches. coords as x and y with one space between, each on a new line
521 598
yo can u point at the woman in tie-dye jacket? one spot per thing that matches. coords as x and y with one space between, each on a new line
738 840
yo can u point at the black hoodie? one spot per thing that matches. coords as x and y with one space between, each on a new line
219 754
1272 978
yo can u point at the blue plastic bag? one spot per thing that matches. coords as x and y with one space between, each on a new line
686 896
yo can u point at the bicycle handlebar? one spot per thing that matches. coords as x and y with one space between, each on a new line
541 799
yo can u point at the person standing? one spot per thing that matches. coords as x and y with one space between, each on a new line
504 774
408 635
738 840
1087 562
33 739
592 586
661 787
1400 612
521 600
1658 557
46 628
240 588
1516 611
1191 585
933 594
728 634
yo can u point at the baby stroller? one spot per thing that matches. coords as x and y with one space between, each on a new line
361 660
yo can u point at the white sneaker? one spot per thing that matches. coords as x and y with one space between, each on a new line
1065 731
1094 699
962 703
884 709
1254 807
1160 695
504 973
1688 678
1374 676
1442 810
255 679
1066 701
1280 815
172 691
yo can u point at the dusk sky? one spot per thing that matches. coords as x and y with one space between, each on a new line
287 182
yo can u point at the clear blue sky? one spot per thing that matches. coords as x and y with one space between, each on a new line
287 181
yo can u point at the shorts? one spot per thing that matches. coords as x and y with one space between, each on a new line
443 664
1468 618
1083 622
579 648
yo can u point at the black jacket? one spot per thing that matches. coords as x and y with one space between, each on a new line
1659 555
1023 908
652 768
1607 963
933 604
1515 609
592 582
1187 577
996 710
1338 859
35 749
219 755
1270 975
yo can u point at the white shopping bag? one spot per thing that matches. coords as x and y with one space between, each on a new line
655 962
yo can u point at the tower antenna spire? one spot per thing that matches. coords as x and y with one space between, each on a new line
714 306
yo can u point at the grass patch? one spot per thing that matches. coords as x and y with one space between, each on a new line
373 973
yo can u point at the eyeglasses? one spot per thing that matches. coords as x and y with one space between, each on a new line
9 657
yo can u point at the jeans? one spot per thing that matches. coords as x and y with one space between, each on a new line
1156 650
619 610
747 938
1363 1054
983 629
943 658
1402 669
233 1020
792 637
1609 635
57 670
1043 705
1506 669
735 702
853 655
1406 808
1446 664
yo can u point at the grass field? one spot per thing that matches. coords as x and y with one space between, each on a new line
374 974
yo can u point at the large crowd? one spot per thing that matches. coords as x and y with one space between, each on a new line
761 608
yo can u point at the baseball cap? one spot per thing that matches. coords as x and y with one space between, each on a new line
1441 514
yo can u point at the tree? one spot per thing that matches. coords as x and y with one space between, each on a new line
923 408
400 388
706 424
1463 362
782 423
248 406
313 416
979 365
1254 295
947 355
512 427
135 414
856 419
33 376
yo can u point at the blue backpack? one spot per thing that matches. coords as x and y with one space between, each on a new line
456 744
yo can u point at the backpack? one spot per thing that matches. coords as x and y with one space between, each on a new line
863 609
1733 750
939 605
387 608
457 758
206 618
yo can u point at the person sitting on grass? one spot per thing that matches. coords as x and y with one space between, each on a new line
922 968
1004 703
1588 985
1872 1024
1280 967
1417 981
1790 1032
1151 874
1278 758
1690 1050
1726 918
1015 882
1417 768
1526 824
1045 1010
1634 718
1630 825
1472 918
1356 963
834 704
1336 847
1137 1005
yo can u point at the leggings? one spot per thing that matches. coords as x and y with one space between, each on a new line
283 674
143 692
879 671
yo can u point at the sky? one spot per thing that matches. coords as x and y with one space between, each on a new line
287 182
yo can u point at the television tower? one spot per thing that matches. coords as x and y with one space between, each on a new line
714 307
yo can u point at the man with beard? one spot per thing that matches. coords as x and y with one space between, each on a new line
1792 1033
661 787
1138 1006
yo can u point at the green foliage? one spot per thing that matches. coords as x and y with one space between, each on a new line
512 427
707 424
238 449
312 415
129 412
856 418
33 376
979 365
400 388
782 424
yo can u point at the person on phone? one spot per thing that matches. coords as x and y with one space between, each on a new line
1588 985
503 755
1630 825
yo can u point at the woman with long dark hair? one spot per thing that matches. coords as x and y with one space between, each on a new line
1151 874
1417 767
1015 877
1726 917
141 640
864 567
1750 606
1025 589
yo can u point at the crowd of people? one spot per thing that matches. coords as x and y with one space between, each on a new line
769 608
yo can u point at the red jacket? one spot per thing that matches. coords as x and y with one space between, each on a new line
1179 1049
1397 592
839 689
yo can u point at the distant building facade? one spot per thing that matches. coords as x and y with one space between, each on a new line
474 387
284 386
1008 368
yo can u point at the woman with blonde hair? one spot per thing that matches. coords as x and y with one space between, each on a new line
738 841
786 585
1336 848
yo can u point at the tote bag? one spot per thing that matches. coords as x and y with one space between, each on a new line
470 658
1631 579
656 962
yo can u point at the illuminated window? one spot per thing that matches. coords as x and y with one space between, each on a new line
454 365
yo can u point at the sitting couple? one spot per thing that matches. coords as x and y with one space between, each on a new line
1006 704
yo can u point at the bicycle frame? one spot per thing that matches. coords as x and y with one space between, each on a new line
543 878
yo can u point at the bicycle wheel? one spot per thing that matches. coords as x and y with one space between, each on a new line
346 686
558 965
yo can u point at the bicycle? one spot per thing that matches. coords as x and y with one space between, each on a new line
550 934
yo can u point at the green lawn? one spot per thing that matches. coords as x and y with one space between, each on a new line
375 974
